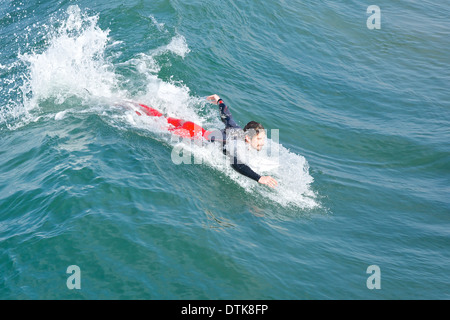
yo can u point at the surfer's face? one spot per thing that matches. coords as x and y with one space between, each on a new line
257 142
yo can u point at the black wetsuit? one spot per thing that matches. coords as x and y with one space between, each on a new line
232 128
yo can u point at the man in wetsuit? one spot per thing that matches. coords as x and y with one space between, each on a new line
253 134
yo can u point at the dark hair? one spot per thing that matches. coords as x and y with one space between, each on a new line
253 128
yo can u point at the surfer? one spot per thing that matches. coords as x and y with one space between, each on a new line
253 134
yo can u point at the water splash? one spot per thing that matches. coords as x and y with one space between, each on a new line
289 169
74 63
65 60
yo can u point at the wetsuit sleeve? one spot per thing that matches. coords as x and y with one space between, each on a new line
226 116
245 170
227 119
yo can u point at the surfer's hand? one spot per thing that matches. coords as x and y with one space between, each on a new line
268 181
213 98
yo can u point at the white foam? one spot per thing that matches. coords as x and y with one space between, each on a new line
159 25
178 45
73 62
60 115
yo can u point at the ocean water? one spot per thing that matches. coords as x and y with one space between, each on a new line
358 121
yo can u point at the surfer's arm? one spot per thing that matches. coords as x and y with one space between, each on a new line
225 113
226 116
246 171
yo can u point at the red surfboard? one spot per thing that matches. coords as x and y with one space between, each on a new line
183 128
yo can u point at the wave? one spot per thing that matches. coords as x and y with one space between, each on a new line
75 72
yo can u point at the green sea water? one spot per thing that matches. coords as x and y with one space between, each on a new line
358 120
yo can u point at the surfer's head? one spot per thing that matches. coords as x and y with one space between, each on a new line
255 135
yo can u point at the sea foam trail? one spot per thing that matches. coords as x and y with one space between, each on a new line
75 63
